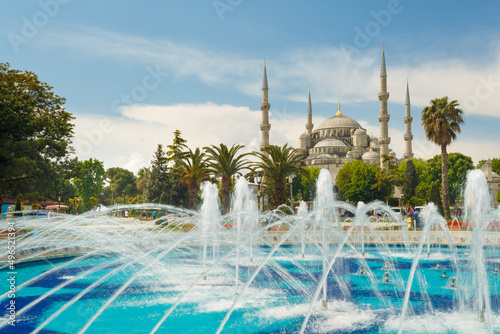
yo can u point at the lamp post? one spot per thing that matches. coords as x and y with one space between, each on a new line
258 179
290 180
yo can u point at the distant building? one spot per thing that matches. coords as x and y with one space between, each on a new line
340 139
493 180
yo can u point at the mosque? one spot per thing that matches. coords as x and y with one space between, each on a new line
340 139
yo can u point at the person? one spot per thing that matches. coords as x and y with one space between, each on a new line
126 213
154 214
409 221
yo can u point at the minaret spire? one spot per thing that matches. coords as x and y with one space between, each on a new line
265 106
384 117
309 124
408 119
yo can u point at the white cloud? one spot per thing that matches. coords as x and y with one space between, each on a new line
331 74
129 141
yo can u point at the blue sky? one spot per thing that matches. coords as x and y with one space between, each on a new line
133 72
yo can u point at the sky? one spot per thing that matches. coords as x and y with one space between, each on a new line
135 71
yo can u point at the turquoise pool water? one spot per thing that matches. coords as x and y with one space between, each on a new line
275 302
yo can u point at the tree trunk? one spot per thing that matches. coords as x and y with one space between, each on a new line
225 189
279 189
444 182
193 194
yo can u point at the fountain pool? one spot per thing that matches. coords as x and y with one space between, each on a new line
235 273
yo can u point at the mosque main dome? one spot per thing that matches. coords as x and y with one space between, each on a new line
339 121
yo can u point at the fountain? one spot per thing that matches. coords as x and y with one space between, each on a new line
324 273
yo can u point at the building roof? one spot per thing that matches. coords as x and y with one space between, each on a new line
371 155
339 122
329 142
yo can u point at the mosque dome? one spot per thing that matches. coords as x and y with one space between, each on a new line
339 121
330 142
324 156
304 135
371 156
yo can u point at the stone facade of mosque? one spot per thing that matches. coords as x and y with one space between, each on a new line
340 139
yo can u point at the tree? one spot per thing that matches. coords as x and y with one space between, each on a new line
225 163
305 185
122 182
18 208
458 166
441 121
359 181
435 198
192 172
35 130
410 182
178 192
142 180
89 181
276 164
159 183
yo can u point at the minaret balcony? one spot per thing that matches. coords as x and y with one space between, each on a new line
384 118
383 96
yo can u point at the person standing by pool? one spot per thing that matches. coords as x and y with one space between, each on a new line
154 214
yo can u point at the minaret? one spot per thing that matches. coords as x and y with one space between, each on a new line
265 106
309 124
408 119
384 117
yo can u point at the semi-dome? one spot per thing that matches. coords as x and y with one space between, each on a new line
324 156
371 155
340 121
329 142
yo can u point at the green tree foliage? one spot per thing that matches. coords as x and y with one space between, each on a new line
305 185
495 165
121 182
35 131
192 172
435 197
17 207
89 181
441 121
225 163
159 184
276 164
410 182
458 166
143 180
178 193
358 181
355 180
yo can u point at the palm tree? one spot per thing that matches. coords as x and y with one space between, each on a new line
441 121
224 163
192 171
276 164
